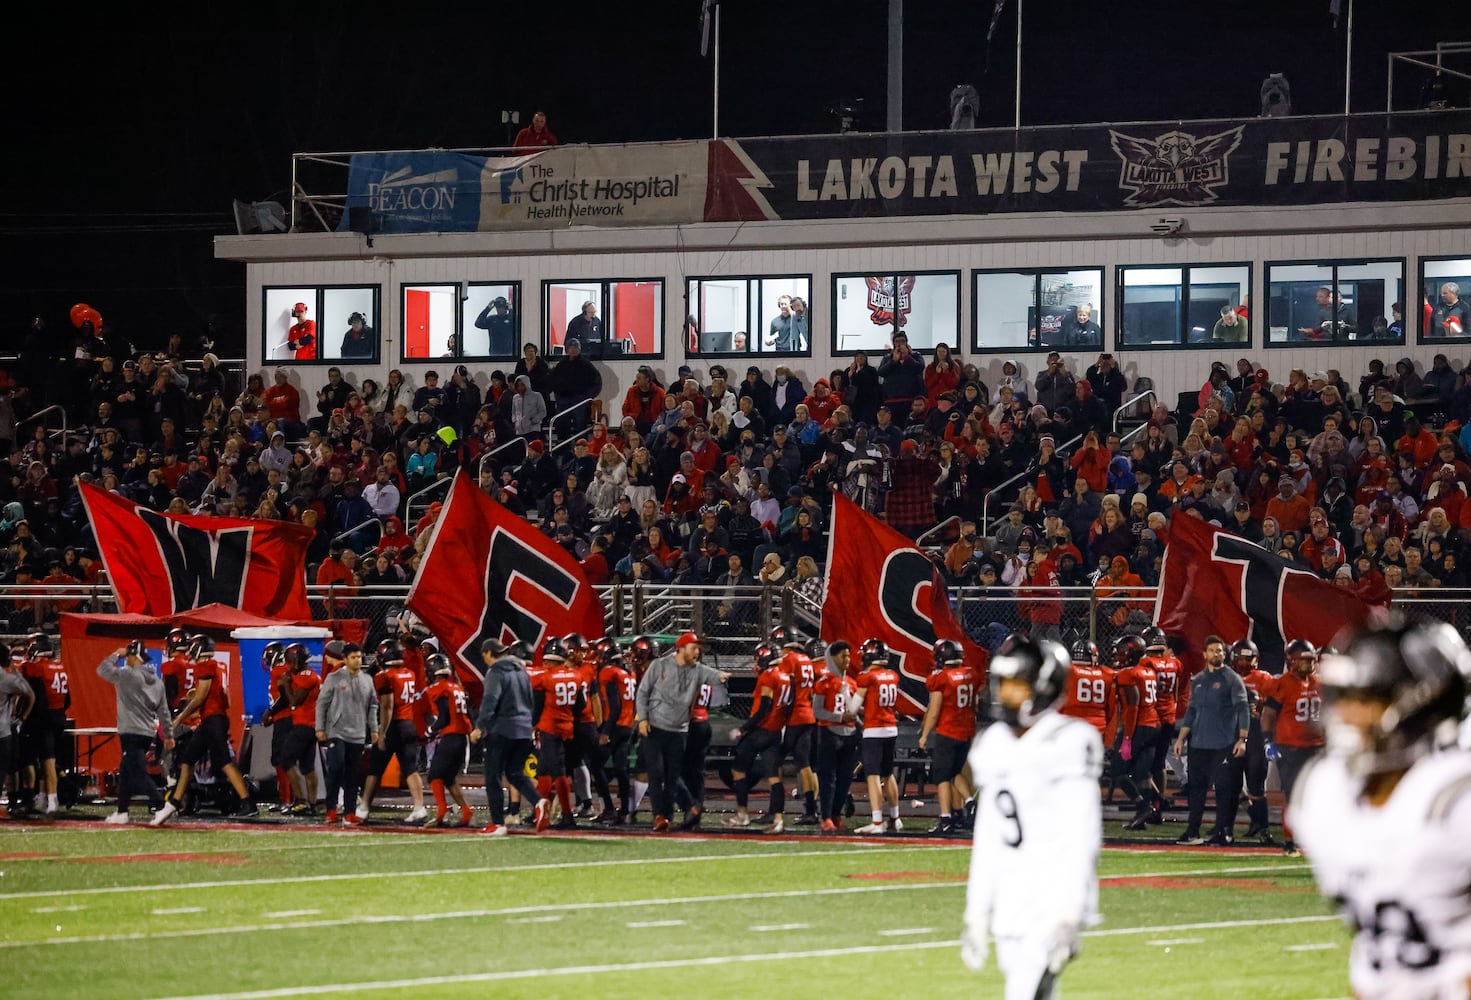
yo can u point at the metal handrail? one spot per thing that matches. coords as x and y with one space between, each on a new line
35 417
409 504
995 490
952 519
1131 435
1125 405
374 521
552 423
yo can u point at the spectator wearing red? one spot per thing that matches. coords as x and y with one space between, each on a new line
822 401
644 400
941 375
1319 542
1179 482
536 135
1288 507
1090 462
911 507
1417 441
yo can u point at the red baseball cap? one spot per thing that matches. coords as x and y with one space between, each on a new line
688 639
300 307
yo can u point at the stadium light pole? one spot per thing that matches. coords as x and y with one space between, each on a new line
710 25
1017 110
895 121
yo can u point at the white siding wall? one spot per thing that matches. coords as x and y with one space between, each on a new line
1343 232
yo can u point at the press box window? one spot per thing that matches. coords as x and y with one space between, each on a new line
1197 306
1031 310
1335 302
1444 314
630 311
343 324
868 309
739 316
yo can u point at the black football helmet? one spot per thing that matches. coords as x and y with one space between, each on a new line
1419 672
766 656
1300 656
177 641
389 652
784 638
1243 656
873 652
272 655
816 649
946 652
1041 665
576 644
438 665
521 650
296 657
643 651
1154 638
555 648
1127 651
1086 651
201 647
38 644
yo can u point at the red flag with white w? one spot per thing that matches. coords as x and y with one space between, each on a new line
162 564
489 574
880 586
1215 583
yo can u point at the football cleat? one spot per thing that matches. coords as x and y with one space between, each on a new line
354 820
739 821
331 819
300 809
1190 840
661 824
871 829
807 819
1218 839
418 815
361 812
943 827
775 826
1137 823
543 815
691 819
1289 850
828 826
493 830
466 815
608 817
584 809
168 812
893 825
116 819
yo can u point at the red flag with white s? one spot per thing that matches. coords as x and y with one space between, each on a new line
880 586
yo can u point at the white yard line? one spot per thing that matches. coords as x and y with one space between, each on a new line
178 911
1171 942
673 963
766 928
1323 946
906 931
485 870
58 909
641 924
550 918
282 914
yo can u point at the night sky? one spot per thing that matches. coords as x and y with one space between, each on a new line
127 147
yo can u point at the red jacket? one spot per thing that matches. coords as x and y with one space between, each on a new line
1092 465
641 412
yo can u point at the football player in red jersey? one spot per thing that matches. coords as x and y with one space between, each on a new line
837 739
799 739
557 691
300 752
950 718
1250 768
619 688
451 726
586 758
278 717
1292 727
758 739
1167 675
1138 689
49 681
641 653
877 694
1090 694
210 697
399 695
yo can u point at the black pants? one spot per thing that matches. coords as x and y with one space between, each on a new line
836 758
664 753
504 755
344 767
591 752
619 738
1249 770
133 778
696 746
1290 765
1208 768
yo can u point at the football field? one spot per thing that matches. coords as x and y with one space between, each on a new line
210 910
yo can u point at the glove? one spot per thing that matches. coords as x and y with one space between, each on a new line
1126 749
1272 752
1062 946
974 944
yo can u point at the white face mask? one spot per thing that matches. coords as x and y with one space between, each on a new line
1024 556
781 380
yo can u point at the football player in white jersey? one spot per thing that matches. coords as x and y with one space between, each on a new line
1038 828
1383 814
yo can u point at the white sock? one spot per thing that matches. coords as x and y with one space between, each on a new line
640 789
878 817
582 783
51 802
894 812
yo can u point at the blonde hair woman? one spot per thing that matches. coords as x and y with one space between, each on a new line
609 479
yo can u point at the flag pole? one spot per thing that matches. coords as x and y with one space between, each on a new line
1017 116
1348 58
716 115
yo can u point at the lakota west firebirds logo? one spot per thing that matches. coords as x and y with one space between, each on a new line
1176 168
885 301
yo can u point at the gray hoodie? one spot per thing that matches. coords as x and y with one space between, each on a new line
141 703
347 708
506 708
668 692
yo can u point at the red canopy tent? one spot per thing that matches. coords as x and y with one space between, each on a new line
86 640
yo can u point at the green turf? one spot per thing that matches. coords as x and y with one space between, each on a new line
481 913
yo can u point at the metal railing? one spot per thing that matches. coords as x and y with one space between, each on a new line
1000 488
35 418
1124 406
553 444
952 519
438 486
373 522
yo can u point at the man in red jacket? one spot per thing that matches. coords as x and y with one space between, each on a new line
644 400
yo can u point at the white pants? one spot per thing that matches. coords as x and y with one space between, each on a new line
1023 961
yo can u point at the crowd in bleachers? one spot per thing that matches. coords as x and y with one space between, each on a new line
721 477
